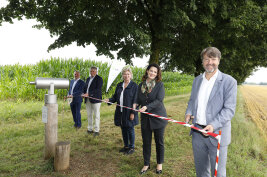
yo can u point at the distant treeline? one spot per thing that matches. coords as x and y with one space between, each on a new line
252 83
14 79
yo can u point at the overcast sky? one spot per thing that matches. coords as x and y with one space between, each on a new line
20 43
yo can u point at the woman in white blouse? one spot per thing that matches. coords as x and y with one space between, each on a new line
125 118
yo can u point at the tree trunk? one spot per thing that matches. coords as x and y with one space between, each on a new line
155 50
199 67
62 156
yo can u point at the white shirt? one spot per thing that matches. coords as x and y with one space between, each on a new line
90 81
75 81
203 97
121 97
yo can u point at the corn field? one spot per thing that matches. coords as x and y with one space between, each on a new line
14 79
255 98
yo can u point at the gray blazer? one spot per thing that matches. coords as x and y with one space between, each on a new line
220 108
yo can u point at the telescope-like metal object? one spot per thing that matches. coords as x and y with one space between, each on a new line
51 84
50 110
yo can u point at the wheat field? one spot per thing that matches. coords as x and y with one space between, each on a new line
256 104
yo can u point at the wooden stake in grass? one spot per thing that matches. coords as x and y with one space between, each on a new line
62 156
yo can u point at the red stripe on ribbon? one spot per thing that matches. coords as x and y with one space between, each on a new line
215 174
164 118
218 153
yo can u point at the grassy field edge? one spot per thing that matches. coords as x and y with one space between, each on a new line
22 144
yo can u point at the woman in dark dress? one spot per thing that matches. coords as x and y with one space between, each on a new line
150 97
124 95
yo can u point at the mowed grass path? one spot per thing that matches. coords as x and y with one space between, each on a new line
22 144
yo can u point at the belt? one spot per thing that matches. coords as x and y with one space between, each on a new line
202 126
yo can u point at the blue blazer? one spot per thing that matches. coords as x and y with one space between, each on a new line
129 95
220 108
94 89
77 91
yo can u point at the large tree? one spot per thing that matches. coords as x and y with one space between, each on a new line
237 28
129 27
172 32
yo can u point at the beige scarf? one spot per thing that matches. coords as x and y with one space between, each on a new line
148 86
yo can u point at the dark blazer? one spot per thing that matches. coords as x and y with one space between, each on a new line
129 95
154 103
94 89
77 91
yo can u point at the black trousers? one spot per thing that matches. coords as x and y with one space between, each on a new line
159 140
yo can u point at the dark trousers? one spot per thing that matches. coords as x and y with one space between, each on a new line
159 140
128 136
76 113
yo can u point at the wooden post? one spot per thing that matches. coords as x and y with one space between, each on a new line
62 156
51 130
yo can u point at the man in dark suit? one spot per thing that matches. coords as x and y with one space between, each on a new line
212 106
75 92
93 88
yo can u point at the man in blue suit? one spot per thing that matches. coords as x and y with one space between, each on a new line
75 92
92 89
211 107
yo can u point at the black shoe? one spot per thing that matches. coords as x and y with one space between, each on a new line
96 134
130 151
144 171
78 128
158 171
123 150
89 132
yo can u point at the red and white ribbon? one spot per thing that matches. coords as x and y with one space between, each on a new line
218 150
217 136
165 118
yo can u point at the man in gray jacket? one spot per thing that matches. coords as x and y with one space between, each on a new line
211 107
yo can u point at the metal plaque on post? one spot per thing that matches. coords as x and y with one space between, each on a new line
44 114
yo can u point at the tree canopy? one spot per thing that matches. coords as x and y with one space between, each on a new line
237 28
172 32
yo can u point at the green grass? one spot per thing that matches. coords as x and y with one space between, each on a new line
22 144
248 150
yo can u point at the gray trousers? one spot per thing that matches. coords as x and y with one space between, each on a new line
205 156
